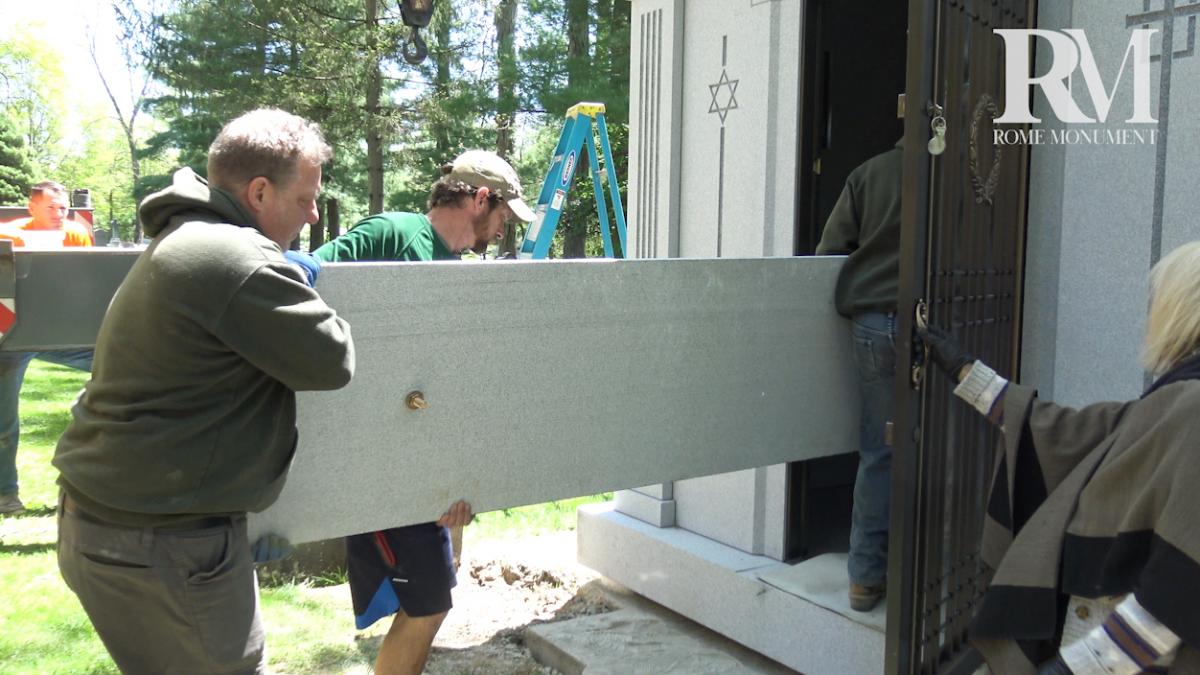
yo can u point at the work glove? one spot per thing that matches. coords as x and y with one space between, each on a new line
944 350
308 264
270 547
1055 666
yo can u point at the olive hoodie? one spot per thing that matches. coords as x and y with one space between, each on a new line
191 407
865 224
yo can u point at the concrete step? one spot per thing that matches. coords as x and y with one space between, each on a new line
795 615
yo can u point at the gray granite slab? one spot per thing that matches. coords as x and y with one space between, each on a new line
61 295
547 380
657 490
656 512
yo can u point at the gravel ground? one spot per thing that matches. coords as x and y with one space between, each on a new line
504 586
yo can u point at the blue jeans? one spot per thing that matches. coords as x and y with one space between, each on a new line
875 354
12 374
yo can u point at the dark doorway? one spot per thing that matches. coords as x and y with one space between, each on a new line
853 71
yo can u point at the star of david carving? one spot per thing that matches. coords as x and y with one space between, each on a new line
725 89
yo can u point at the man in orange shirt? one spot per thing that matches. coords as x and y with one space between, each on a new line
48 207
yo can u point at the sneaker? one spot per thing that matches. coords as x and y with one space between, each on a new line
11 505
864 598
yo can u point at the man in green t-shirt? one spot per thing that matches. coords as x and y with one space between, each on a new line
409 571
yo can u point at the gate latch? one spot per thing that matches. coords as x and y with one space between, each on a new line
919 351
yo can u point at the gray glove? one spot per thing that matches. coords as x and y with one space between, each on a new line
944 350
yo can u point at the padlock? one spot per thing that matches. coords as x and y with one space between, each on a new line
937 144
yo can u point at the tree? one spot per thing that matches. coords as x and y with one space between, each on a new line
68 138
454 106
16 171
138 25
101 164
594 37
33 92
576 229
506 96
374 130
492 80
326 60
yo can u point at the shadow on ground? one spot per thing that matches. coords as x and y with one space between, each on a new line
26 549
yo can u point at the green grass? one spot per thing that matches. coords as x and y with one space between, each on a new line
46 631
46 399
309 624
529 520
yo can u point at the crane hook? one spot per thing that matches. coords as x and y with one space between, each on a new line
415 50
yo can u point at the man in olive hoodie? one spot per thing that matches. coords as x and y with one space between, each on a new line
188 422
865 224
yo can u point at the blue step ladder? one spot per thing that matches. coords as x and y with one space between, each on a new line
571 143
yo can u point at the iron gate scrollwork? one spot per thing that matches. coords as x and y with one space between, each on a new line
962 251
985 188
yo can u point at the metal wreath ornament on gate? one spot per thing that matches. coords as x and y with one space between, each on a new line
984 189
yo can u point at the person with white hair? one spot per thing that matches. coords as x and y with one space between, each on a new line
1091 525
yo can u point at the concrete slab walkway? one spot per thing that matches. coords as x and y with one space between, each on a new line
641 637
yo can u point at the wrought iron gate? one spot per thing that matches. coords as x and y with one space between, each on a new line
962 252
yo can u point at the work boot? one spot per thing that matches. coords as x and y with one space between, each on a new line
10 504
864 598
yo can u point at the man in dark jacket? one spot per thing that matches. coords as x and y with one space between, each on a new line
188 421
865 224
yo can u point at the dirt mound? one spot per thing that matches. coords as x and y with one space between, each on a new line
503 587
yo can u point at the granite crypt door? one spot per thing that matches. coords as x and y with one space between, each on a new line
962 252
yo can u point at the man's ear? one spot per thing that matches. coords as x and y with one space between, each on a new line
254 194
481 198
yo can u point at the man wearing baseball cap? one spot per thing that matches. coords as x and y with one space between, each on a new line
486 169
409 571
468 206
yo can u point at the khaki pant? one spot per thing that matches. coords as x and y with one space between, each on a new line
178 601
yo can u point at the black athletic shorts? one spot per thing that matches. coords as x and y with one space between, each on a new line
409 568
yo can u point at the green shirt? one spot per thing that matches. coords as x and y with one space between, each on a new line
388 236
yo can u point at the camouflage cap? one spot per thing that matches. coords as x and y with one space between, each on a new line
481 168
